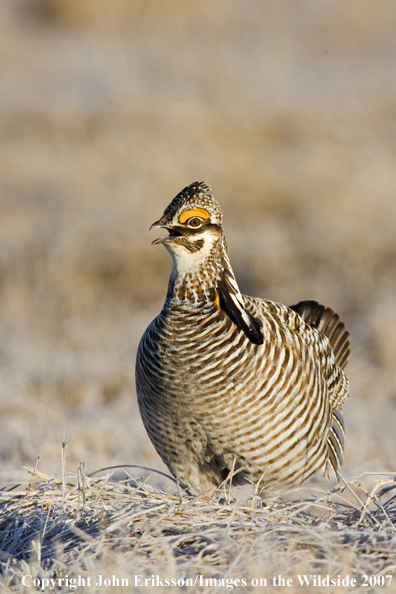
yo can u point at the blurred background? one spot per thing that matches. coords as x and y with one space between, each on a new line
108 108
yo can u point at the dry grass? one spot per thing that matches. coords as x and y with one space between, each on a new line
91 526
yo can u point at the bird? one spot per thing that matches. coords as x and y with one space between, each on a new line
232 387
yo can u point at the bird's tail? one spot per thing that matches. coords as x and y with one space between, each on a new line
330 324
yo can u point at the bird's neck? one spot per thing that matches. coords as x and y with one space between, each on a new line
195 282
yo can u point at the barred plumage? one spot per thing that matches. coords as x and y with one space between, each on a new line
229 381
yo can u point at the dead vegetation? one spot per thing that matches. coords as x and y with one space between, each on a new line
89 526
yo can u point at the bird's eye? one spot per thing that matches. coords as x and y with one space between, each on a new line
195 222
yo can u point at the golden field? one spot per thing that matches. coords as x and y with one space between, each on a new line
107 110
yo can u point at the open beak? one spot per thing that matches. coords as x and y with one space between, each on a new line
172 232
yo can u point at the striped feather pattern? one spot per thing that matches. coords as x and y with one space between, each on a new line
209 396
327 321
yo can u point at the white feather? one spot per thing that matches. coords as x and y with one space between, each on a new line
186 262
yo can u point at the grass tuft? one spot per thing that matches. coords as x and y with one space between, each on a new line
51 528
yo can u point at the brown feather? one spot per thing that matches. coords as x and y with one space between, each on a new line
330 324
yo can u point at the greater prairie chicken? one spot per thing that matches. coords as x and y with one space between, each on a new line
226 381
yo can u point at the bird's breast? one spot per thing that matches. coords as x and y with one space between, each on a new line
203 356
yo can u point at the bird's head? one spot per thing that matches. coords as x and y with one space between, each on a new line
195 239
194 223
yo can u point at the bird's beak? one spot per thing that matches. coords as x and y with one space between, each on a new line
159 225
